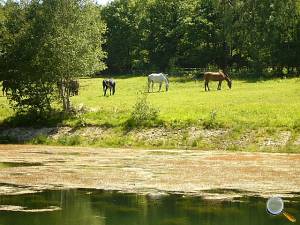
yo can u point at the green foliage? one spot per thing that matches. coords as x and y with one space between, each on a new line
48 42
50 119
159 35
69 140
40 140
211 122
123 19
143 113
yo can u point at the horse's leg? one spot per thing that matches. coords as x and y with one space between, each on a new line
206 85
219 86
104 90
149 82
110 90
160 84
152 85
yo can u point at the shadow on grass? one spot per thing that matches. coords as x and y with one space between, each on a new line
131 124
51 119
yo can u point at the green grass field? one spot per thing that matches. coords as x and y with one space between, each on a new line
253 116
272 103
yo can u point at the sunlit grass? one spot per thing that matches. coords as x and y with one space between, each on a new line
272 103
5 110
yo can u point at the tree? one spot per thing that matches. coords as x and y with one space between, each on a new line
124 33
61 42
163 36
72 39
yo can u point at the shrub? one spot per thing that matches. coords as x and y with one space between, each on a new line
212 121
143 113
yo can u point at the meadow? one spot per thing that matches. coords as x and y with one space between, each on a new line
272 105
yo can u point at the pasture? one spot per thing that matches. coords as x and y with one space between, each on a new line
251 116
271 103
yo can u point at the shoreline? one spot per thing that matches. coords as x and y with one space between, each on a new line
193 138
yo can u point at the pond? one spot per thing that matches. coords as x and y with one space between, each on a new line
94 207
4 165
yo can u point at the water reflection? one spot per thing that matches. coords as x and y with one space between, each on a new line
92 207
17 164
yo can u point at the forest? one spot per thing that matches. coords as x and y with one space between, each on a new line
151 35
253 37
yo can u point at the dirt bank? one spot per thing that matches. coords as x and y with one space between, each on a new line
263 139
144 171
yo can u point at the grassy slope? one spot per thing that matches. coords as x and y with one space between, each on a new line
268 107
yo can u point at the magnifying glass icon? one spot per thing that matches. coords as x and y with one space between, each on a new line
275 206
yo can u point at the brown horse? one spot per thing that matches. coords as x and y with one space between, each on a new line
216 76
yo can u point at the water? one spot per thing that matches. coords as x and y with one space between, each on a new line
4 165
90 207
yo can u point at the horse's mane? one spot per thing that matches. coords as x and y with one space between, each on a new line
225 74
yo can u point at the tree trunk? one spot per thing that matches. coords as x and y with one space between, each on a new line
65 95
68 99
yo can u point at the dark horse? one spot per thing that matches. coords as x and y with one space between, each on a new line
5 87
72 86
216 76
109 84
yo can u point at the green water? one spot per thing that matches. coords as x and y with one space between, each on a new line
16 164
82 207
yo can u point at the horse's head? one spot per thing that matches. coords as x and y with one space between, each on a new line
165 76
167 86
227 78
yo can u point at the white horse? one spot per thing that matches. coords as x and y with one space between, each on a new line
158 78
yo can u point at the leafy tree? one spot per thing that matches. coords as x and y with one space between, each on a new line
123 33
60 40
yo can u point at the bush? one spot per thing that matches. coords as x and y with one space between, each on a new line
69 140
143 113
211 122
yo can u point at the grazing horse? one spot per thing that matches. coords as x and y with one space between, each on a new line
216 76
109 84
158 78
5 87
72 86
